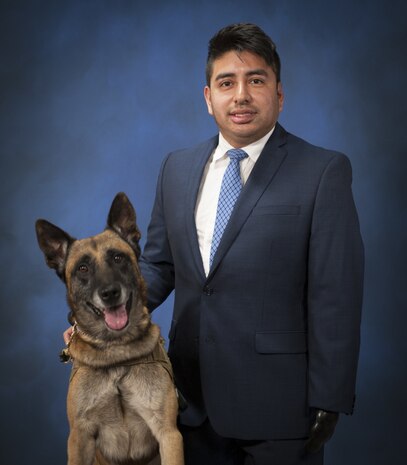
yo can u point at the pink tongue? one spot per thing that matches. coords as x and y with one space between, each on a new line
116 317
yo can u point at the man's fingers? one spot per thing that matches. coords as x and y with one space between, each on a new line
68 334
322 430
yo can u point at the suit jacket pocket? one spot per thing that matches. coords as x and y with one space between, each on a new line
277 210
281 342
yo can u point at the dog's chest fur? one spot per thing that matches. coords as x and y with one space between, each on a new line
114 405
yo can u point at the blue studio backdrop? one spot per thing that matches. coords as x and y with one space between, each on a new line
94 94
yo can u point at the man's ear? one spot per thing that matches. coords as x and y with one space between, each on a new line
54 242
280 95
208 100
122 219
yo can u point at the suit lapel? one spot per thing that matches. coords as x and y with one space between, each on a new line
200 159
263 172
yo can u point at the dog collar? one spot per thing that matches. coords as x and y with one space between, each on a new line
65 355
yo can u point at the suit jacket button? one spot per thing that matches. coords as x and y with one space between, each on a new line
208 290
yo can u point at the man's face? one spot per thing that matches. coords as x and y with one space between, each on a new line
244 97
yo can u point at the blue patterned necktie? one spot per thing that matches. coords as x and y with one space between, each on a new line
229 192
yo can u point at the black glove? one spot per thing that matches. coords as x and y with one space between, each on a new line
322 430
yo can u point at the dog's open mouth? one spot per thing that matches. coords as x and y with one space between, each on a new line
116 317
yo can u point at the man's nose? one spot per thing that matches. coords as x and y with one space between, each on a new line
242 93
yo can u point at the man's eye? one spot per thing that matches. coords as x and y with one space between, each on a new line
118 258
225 84
257 81
83 268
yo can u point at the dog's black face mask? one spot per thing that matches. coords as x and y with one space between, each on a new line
101 273
103 282
106 286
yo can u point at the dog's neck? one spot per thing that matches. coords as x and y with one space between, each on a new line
86 336
96 353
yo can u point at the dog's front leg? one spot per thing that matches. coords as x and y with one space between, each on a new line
81 448
166 431
171 448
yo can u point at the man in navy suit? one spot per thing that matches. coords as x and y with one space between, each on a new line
265 335
265 332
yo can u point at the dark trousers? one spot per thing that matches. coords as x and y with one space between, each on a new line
203 446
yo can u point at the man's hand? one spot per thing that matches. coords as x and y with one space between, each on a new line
68 334
322 430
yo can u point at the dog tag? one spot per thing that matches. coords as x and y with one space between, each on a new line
64 356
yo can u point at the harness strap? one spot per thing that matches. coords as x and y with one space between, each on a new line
158 355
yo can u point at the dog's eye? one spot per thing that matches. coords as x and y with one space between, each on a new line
83 268
118 258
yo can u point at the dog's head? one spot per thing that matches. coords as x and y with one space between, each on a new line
105 290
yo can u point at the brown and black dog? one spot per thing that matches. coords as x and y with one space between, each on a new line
122 403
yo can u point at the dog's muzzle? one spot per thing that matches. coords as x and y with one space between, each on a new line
116 317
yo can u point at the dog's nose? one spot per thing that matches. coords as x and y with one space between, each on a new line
110 293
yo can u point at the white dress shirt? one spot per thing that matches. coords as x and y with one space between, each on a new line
207 202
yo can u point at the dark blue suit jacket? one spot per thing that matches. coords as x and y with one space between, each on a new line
274 329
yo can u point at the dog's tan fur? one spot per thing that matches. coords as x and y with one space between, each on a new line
122 404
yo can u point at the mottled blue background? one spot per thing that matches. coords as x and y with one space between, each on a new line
93 95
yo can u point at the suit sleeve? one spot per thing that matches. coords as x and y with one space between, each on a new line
156 262
335 289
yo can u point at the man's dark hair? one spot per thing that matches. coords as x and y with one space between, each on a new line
242 37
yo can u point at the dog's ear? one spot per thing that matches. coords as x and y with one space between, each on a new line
54 242
122 219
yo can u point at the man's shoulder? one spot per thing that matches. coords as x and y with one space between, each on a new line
296 142
203 147
183 162
309 152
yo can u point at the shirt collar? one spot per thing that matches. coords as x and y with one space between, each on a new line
253 150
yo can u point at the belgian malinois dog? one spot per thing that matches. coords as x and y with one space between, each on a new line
122 403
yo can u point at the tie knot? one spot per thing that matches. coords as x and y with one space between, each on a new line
236 154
